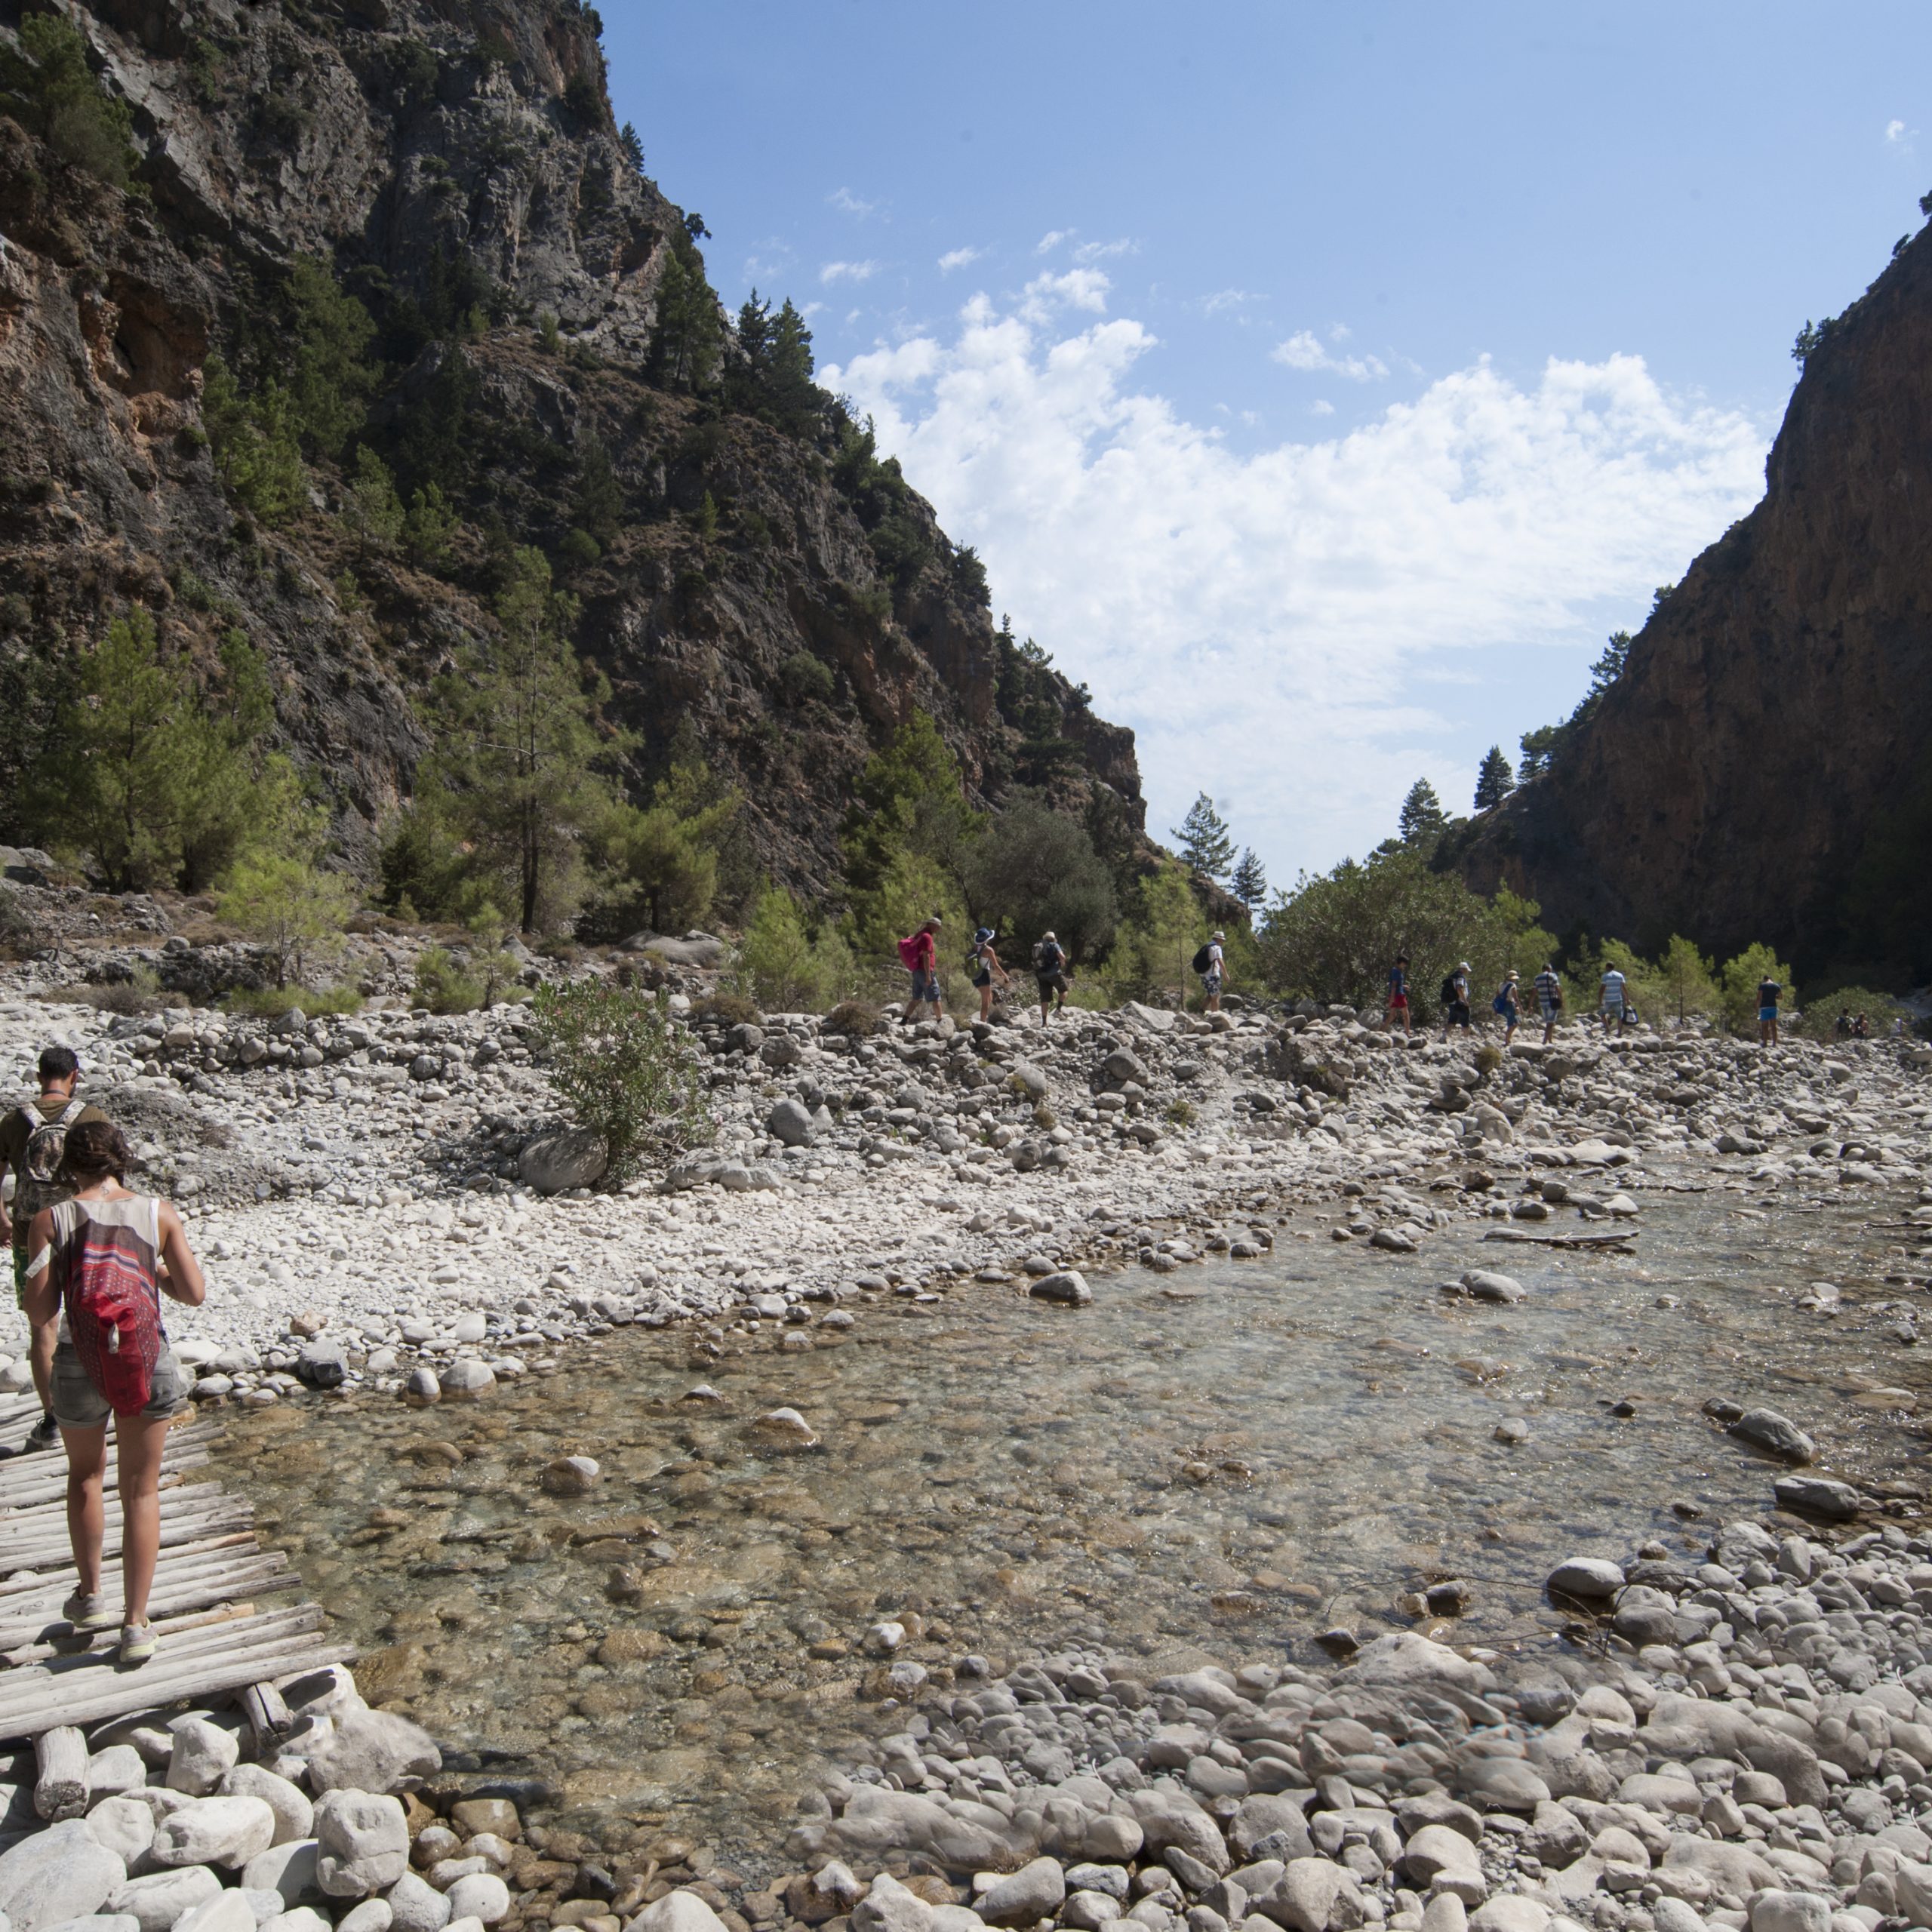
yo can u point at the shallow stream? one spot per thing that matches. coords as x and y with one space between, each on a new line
1235 1457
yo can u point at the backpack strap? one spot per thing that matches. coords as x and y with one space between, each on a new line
75 1108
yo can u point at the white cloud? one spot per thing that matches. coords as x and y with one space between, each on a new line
1102 251
1264 620
1226 302
1321 406
1304 350
1895 130
847 272
958 258
848 203
1051 240
1078 288
1339 331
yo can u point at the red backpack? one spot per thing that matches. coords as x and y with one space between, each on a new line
113 1307
908 953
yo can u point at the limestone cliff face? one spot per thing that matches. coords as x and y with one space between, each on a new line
1757 771
390 140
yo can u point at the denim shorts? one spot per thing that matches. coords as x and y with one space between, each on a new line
925 986
77 1403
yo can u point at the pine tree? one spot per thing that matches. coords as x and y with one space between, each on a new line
1494 780
521 741
1205 843
1421 818
1250 883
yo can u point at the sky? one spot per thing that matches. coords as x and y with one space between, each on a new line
1320 386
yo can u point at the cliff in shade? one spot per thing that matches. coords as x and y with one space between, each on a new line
1762 768
749 581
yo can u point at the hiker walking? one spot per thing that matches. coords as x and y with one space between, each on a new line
1456 1000
1050 970
99 1263
1613 987
1211 964
1768 990
1398 991
33 1138
918 953
983 964
1505 1004
1549 999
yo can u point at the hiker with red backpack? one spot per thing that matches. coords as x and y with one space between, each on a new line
918 953
98 1264
33 1138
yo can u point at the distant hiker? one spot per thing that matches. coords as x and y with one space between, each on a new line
1768 990
1456 1000
1505 1007
1861 1028
1613 987
1549 999
1211 964
1398 991
1049 970
99 1262
982 963
919 955
33 1139
1842 1025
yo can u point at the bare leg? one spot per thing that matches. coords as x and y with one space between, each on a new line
40 1359
87 1456
140 1442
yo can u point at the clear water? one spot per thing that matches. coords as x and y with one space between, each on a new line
1235 1457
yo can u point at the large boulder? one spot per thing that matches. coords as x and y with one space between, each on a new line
1037 1890
214 1831
555 1163
1775 1435
362 1843
789 1123
1406 1657
372 1751
677 1911
61 1873
157 1900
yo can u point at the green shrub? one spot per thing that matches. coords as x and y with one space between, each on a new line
1739 983
803 677
1819 1019
733 1009
1488 1059
623 1070
272 1002
854 1020
54 90
443 986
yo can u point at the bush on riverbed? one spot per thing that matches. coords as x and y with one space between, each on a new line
729 1009
854 1019
272 1002
623 1070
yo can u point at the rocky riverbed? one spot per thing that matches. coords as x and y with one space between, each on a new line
1711 1715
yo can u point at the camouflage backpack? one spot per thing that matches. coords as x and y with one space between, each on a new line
39 1185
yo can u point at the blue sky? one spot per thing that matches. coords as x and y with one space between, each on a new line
1320 386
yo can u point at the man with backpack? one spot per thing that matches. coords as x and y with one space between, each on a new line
1550 998
1211 964
1456 1000
1050 970
919 955
33 1140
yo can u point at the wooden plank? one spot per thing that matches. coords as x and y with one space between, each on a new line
178 1526
28 1641
269 1717
62 1574
110 1639
36 1486
1518 1239
105 1692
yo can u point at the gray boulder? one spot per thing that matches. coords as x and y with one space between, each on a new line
362 1843
214 1830
322 1364
1036 1890
1817 1495
1775 1435
554 1163
1066 1286
416 1906
371 1751
63 1872
788 1122
156 1900
1594 1578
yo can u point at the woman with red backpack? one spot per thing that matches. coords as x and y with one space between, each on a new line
97 1265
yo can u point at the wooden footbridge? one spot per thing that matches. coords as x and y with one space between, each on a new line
218 1639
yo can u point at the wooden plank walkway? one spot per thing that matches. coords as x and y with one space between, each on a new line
216 1638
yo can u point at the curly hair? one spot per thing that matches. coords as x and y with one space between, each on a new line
95 1148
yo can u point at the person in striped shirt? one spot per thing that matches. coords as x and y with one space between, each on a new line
1549 1000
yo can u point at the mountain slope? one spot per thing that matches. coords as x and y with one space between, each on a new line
544 352
1762 768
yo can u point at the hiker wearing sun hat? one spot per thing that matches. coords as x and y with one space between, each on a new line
1214 971
983 964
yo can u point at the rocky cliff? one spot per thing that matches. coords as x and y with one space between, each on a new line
1762 768
750 578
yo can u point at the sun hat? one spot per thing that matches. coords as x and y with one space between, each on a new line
984 933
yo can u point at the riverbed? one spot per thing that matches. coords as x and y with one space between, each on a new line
1234 1458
